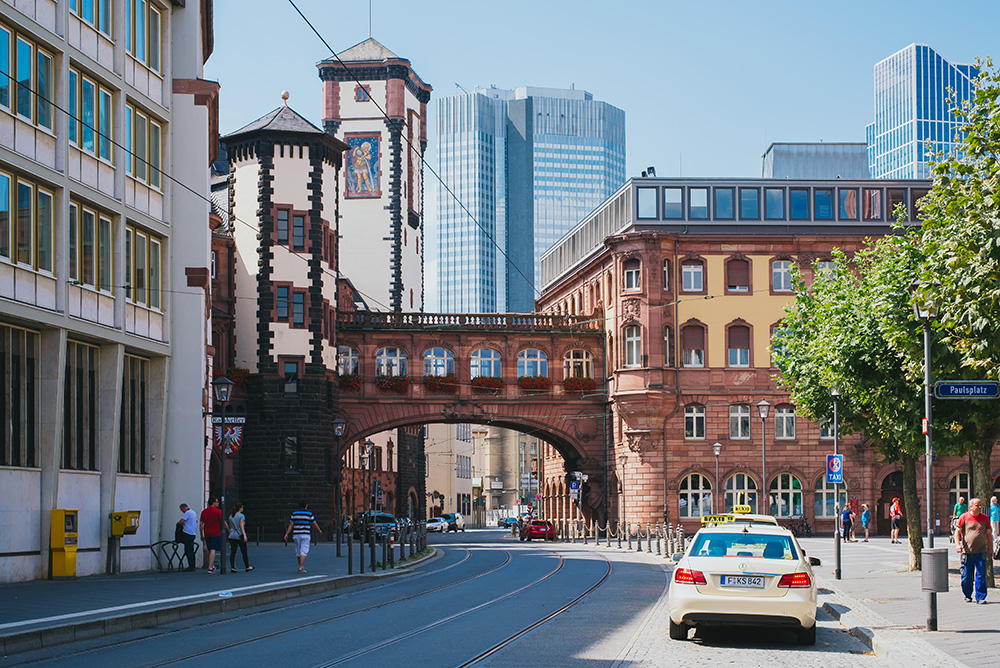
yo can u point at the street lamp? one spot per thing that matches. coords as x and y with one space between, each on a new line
923 311
623 458
837 525
370 464
717 449
338 431
763 409
222 388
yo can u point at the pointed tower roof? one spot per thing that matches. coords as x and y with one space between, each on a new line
370 50
282 119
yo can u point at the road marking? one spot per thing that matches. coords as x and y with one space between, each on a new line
142 604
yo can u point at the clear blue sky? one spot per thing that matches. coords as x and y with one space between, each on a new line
706 85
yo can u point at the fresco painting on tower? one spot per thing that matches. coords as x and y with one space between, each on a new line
362 165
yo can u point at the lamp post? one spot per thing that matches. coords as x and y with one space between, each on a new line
222 388
364 532
717 449
837 525
623 458
369 501
923 312
763 409
338 431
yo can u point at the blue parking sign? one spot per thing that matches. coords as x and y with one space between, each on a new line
835 468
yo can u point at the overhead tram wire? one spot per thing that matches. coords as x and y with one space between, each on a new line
423 161
167 176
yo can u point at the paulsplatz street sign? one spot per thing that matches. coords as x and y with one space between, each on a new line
966 389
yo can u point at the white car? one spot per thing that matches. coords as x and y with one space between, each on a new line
438 524
455 521
737 574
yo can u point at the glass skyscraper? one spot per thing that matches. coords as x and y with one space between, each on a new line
528 164
911 89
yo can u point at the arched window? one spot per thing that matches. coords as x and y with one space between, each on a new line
738 276
668 351
439 362
740 489
630 278
695 493
693 341
486 362
348 361
785 496
739 421
390 362
959 487
739 345
694 422
826 498
532 362
578 364
784 422
632 340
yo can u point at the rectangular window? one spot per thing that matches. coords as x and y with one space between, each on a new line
774 203
132 446
298 309
141 128
74 97
290 453
105 115
739 421
104 21
139 30
4 68
105 250
739 346
673 203
633 353
916 194
282 303
23 78
666 275
896 196
155 145
44 90
799 201
848 203
5 226
139 283
698 204
784 422
282 222
129 140
749 204
87 115
74 248
692 277
823 203
724 203
693 344
694 422
18 401
872 203
825 429
153 59
80 406
781 276
738 275
43 232
154 273
129 245
298 232
646 203
23 231
87 256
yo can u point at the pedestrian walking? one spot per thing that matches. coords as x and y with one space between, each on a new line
211 531
299 526
957 510
188 526
995 517
974 539
866 518
846 520
896 518
237 537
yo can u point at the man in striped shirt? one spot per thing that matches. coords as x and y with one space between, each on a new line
300 525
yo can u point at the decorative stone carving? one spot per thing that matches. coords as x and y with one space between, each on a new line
631 310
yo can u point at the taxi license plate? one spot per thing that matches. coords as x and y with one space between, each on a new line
749 581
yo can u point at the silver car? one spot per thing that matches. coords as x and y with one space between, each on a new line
438 524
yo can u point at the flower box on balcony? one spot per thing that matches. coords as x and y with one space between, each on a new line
579 384
534 384
392 384
441 384
350 382
487 384
236 374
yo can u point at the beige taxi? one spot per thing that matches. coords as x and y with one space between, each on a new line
743 573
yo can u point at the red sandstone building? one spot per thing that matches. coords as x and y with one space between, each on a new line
690 277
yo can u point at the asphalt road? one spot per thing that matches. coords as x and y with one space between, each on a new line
487 600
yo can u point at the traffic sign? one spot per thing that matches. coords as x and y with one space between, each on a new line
835 468
574 484
966 389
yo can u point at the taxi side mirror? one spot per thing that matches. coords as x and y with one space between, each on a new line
676 556
814 561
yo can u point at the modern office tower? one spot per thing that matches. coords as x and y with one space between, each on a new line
912 109
382 192
525 166
107 130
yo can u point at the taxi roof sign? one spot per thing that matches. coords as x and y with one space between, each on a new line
743 508
717 519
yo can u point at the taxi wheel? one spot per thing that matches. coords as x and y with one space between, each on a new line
807 636
678 631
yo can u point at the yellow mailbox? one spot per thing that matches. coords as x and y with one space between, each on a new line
124 522
63 542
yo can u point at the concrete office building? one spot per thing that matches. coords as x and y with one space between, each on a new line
528 164
104 272
815 160
911 109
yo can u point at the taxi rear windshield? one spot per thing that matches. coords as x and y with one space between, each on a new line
743 545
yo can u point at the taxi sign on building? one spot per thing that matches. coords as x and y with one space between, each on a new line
835 468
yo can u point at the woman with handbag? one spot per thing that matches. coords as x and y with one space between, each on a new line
237 537
896 515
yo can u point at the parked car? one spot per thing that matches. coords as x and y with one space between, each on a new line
381 523
438 524
507 522
455 521
538 529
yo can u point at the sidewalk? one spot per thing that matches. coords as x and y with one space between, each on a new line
47 612
883 604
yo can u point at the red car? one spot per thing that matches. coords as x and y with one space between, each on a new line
538 529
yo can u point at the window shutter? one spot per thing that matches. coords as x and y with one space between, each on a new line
739 272
739 337
693 338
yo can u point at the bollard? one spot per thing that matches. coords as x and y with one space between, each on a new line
649 539
350 553
659 535
628 536
619 529
585 532
385 551
371 548
638 537
607 533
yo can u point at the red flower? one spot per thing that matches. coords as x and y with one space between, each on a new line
579 384
441 384
392 384
534 383
487 384
350 382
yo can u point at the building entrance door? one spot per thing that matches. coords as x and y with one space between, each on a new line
892 487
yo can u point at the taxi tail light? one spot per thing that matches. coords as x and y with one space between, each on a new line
795 581
690 577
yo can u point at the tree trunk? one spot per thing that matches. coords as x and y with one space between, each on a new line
982 488
913 515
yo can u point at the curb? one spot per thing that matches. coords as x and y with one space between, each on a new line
900 647
34 639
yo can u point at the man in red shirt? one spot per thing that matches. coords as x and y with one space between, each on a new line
211 531
974 540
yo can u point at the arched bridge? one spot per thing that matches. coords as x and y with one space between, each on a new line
536 373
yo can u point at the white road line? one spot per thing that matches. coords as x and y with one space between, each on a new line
143 604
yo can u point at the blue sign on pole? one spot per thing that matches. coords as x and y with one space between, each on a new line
835 468
966 389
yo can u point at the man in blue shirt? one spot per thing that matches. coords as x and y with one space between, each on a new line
995 517
300 527
189 529
846 519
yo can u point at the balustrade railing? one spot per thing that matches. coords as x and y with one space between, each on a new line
467 321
